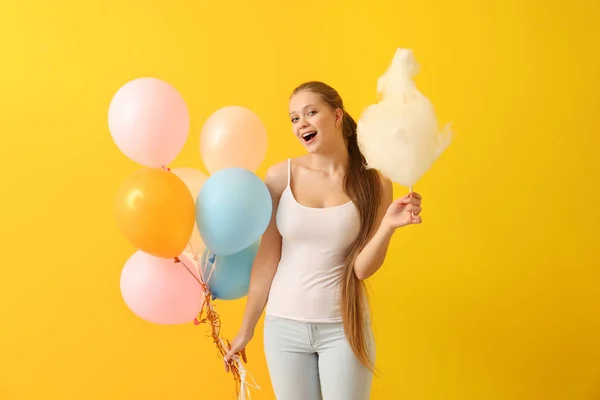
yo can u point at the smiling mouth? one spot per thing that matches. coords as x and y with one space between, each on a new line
309 136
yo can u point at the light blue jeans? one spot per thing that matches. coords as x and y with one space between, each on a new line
314 362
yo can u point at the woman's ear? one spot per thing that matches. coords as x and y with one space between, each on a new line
339 117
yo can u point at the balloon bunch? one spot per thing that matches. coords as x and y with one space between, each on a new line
196 235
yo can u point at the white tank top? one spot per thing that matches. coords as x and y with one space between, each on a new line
306 286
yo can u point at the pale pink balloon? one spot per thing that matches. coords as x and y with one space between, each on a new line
233 136
149 121
161 291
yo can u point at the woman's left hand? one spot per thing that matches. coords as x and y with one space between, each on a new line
403 211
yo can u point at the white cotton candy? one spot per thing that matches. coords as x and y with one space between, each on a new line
399 136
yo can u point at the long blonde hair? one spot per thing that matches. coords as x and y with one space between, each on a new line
363 185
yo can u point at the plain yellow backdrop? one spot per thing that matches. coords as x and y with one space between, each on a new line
495 297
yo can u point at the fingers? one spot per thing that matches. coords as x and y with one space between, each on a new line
226 364
402 200
411 200
227 359
229 356
416 219
407 200
415 210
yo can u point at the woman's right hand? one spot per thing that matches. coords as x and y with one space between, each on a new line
237 347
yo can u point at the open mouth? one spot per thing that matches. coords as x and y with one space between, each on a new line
309 136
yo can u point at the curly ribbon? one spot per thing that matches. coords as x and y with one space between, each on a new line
209 316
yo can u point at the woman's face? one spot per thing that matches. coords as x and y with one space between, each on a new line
314 123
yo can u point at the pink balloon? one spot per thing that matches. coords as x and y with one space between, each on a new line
161 291
149 121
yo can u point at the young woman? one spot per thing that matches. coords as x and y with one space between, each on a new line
332 223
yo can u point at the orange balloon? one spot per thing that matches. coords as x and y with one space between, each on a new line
155 212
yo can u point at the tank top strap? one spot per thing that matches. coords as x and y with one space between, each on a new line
289 172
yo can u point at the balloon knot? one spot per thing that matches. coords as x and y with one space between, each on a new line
177 260
166 168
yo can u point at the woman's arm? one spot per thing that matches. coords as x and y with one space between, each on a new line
268 255
390 216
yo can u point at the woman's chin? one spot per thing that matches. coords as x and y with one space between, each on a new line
312 146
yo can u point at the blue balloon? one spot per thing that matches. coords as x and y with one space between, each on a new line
233 210
230 278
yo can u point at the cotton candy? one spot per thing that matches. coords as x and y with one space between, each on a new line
399 135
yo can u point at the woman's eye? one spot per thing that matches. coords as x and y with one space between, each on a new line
312 112
294 120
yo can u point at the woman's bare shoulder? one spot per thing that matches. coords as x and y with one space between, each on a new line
276 177
300 163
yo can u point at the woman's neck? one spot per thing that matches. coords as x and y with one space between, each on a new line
330 162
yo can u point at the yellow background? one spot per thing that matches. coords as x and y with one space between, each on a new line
495 296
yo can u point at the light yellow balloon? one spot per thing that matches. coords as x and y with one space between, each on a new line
233 136
194 179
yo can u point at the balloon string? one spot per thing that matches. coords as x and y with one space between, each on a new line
209 316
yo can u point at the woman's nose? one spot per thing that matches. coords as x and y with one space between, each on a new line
303 123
